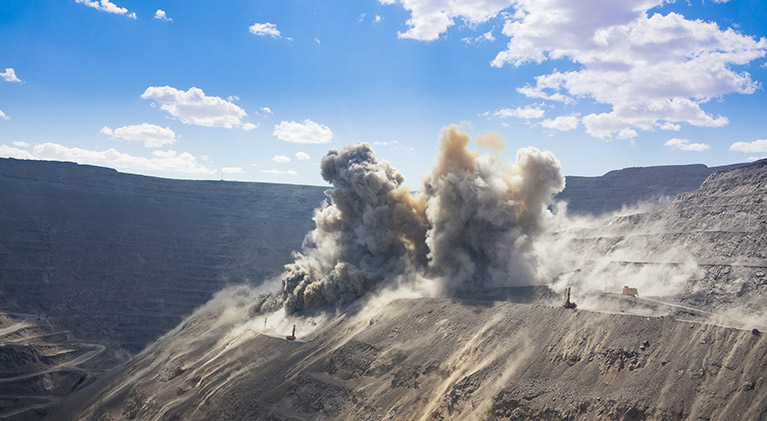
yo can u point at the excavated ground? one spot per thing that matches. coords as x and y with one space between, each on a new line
39 365
443 359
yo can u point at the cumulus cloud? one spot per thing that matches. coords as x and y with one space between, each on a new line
653 70
279 172
250 126
470 227
196 108
561 123
429 19
686 145
21 144
152 136
305 132
3 116
527 112
757 146
303 156
9 75
160 15
265 30
107 6
165 161
281 159
11 152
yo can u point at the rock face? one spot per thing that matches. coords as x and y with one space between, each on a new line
444 359
629 186
120 258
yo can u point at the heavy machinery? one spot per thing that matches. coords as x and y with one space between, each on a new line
630 291
292 336
568 303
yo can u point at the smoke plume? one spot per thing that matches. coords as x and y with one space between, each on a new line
471 226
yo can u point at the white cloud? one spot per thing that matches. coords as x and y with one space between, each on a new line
306 132
165 161
280 159
527 112
160 15
685 145
9 75
627 134
265 30
279 172
21 144
249 126
303 156
378 18
317 40
107 6
537 92
561 123
152 136
11 152
194 107
266 110
361 17
654 71
232 170
431 18
487 36
670 126
757 146
3 116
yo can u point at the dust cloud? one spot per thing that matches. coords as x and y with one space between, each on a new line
471 226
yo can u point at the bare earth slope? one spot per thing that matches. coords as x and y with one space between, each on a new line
431 358
716 236
440 359
121 258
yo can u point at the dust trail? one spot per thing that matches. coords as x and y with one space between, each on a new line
459 364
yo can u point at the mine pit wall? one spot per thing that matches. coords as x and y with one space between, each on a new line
446 359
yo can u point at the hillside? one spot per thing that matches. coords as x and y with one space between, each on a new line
121 259
95 261
629 186
437 358
442 359
705 247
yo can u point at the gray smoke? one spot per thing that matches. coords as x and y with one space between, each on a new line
470 227
483 215
371 229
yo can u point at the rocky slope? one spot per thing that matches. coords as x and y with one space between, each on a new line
432 358
441 359
705 248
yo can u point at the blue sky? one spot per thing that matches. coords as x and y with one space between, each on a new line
260 90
